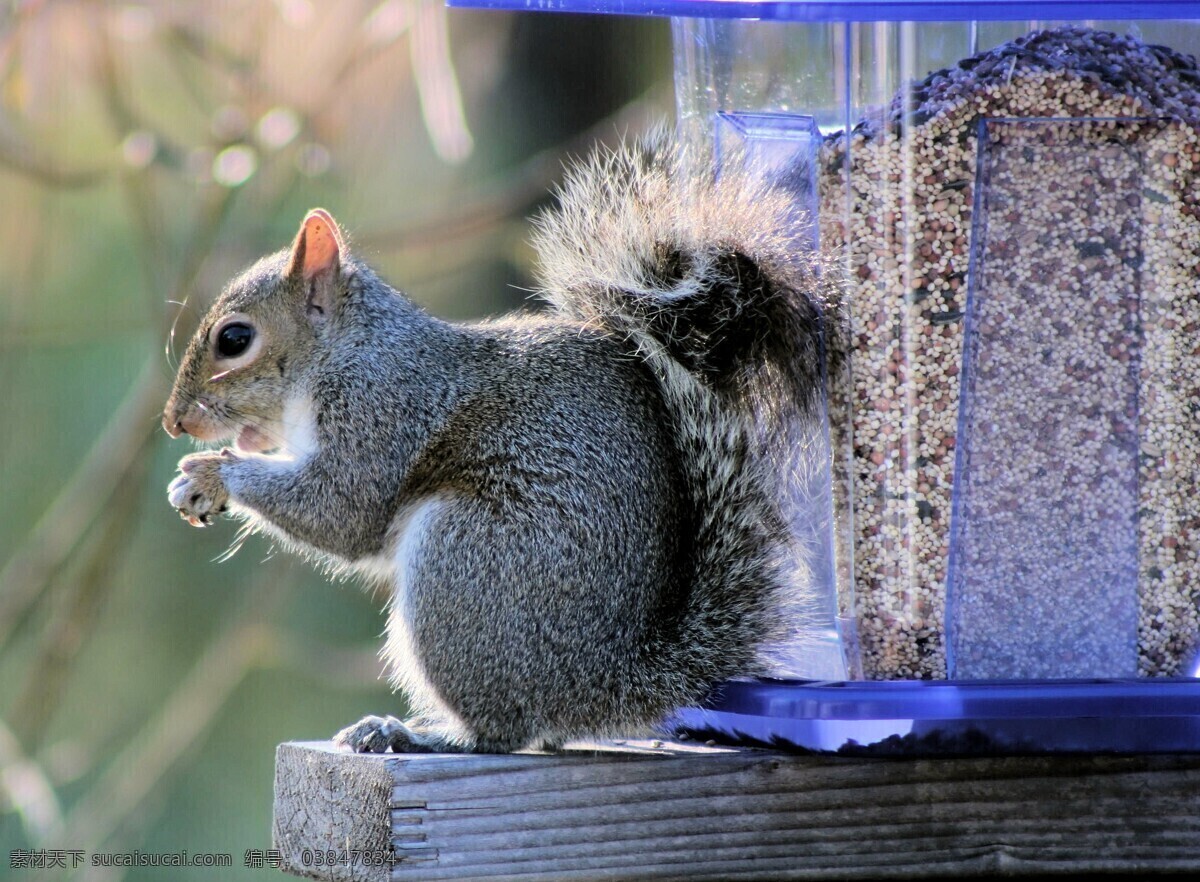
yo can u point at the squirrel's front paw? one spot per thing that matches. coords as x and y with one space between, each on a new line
199 493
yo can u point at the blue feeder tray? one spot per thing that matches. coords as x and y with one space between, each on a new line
858 10
945 718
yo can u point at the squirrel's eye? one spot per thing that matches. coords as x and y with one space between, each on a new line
234 339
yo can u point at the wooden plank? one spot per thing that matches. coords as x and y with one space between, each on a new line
682 812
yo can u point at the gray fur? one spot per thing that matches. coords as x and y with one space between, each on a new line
576 515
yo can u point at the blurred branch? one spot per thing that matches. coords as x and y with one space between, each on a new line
182 40
143 200
210 217
138 184
215 201
386 24
514 191
437 84
40 562
151 754
14 21
459 262
119 110
139 194
115 452
22 161
26 788
76 615
335 666
17 334
380 29
88 492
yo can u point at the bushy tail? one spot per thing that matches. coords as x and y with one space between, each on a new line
706 278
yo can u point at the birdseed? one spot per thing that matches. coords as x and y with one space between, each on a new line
1097 264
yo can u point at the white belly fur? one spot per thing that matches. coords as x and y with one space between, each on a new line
399 652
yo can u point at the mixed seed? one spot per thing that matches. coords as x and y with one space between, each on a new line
1091 254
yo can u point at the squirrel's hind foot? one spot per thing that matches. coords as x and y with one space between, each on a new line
374 734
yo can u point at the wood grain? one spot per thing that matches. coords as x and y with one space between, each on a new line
695 813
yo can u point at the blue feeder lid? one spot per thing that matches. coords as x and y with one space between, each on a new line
863 10
938 717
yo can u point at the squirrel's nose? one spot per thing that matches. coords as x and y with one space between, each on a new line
173 424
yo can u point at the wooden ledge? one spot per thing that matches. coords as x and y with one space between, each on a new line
639 811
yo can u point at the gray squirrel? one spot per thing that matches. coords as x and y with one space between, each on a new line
577 514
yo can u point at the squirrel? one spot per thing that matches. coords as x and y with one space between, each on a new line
576 513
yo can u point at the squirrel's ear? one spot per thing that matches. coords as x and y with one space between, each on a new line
317 253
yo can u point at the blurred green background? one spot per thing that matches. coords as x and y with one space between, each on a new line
148 151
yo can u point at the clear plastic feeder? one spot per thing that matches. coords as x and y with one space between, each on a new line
1046 532
1011 191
